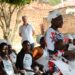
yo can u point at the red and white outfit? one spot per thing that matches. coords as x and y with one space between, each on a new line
62 66
51 36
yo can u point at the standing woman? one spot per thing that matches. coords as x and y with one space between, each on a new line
53 33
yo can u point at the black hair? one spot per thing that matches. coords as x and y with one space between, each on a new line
2 54
25 42
42 39
2 45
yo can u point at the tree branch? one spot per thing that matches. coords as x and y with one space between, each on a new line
15 7
2 27
2 24
16 25
2 10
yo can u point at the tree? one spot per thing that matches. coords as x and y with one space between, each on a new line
7 9
54 2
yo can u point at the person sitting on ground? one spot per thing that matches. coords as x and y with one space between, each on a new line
12 54
6 63
41 56
72 45
24 59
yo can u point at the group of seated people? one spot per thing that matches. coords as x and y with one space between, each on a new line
35 62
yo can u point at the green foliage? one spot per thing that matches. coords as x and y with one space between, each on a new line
7 9
54 2
16 2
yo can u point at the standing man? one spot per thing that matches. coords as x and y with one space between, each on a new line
26 31
53 33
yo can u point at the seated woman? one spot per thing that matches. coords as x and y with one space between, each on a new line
24 59
41 56
5 61
12 54
2 71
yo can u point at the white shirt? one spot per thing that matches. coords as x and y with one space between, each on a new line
43 60
8 67
27 33
27 61
13 57
51 37
71 47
